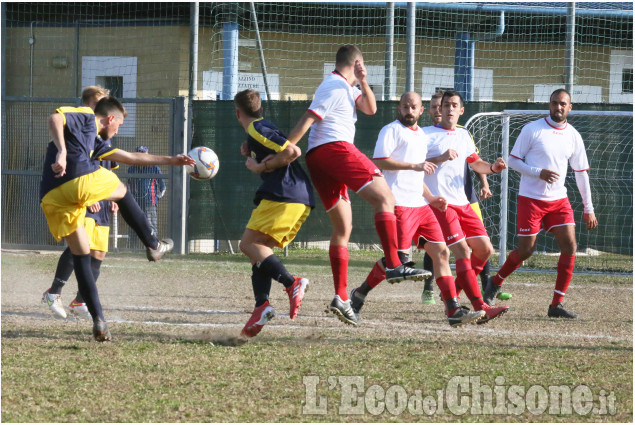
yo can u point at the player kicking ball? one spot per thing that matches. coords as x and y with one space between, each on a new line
284 201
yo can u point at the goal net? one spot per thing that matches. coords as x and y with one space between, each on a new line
608 137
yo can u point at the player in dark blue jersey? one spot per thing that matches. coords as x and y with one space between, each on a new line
72 181
284 201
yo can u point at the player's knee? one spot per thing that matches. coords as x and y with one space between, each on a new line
444 255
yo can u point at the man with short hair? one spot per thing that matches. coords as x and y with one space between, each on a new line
427 296
450 147
335 164
400 153
73 180
284 201
542 153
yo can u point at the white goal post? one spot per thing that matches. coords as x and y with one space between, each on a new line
608 138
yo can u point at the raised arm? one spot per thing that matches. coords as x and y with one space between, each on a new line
303 125
139 158
367 103
484 167
393 164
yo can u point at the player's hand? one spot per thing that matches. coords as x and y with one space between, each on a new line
95 208
591 221
360 70
425 166
499 165
182 159
440 203
253 165
114 207
59 167
485 193
549 176
244 149
449 155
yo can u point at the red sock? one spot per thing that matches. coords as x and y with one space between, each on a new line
467 279
376 275
386 225
563 278
446 285
339 266
458 287
477 264
512 263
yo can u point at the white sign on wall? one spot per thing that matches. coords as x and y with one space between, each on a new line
581 94
95 68
433 78
213 84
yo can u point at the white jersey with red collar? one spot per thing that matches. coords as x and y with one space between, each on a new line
542 144
334 105
449 178
405 144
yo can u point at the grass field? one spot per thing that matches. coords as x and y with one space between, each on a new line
177 356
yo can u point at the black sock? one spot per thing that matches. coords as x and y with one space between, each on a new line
261 284
87 286
63 272
484 275
427 263
364 289
137 220
273 268
95 265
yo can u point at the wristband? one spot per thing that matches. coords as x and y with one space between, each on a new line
266 169
491 168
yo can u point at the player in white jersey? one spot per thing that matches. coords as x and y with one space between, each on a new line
450 147
335 164
401 152
542 153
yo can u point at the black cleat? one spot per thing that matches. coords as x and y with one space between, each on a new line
559 311
491 290
100 331
403 272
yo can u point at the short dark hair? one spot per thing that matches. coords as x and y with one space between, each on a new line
438 95
109 105
452 93
346 55
559 91
248 101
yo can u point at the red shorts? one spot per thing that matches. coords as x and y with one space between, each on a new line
534 214
459 222
414 223
334 167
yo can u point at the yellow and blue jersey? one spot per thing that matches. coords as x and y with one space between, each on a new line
285 184
80 132
102 148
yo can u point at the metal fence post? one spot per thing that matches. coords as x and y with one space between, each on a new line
179 187
504 215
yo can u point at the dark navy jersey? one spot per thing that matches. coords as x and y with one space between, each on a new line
80 131
285 184
102 217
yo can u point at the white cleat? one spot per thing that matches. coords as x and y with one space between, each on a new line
54 302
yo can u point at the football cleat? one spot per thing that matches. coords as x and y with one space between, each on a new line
427 297
343 311
54 302
296 294
261 315
165 246
403 272
559 311
492 312
464 316
489 295
100 331
79 310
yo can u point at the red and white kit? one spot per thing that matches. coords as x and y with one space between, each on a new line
414 216
459 221
544 144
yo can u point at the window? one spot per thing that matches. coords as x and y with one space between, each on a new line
112 83
627 80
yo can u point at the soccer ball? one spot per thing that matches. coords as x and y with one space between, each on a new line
206 165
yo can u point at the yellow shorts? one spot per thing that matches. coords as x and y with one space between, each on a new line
477 210
97 235
65 206
280 220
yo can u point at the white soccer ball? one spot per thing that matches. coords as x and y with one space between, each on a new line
206 165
